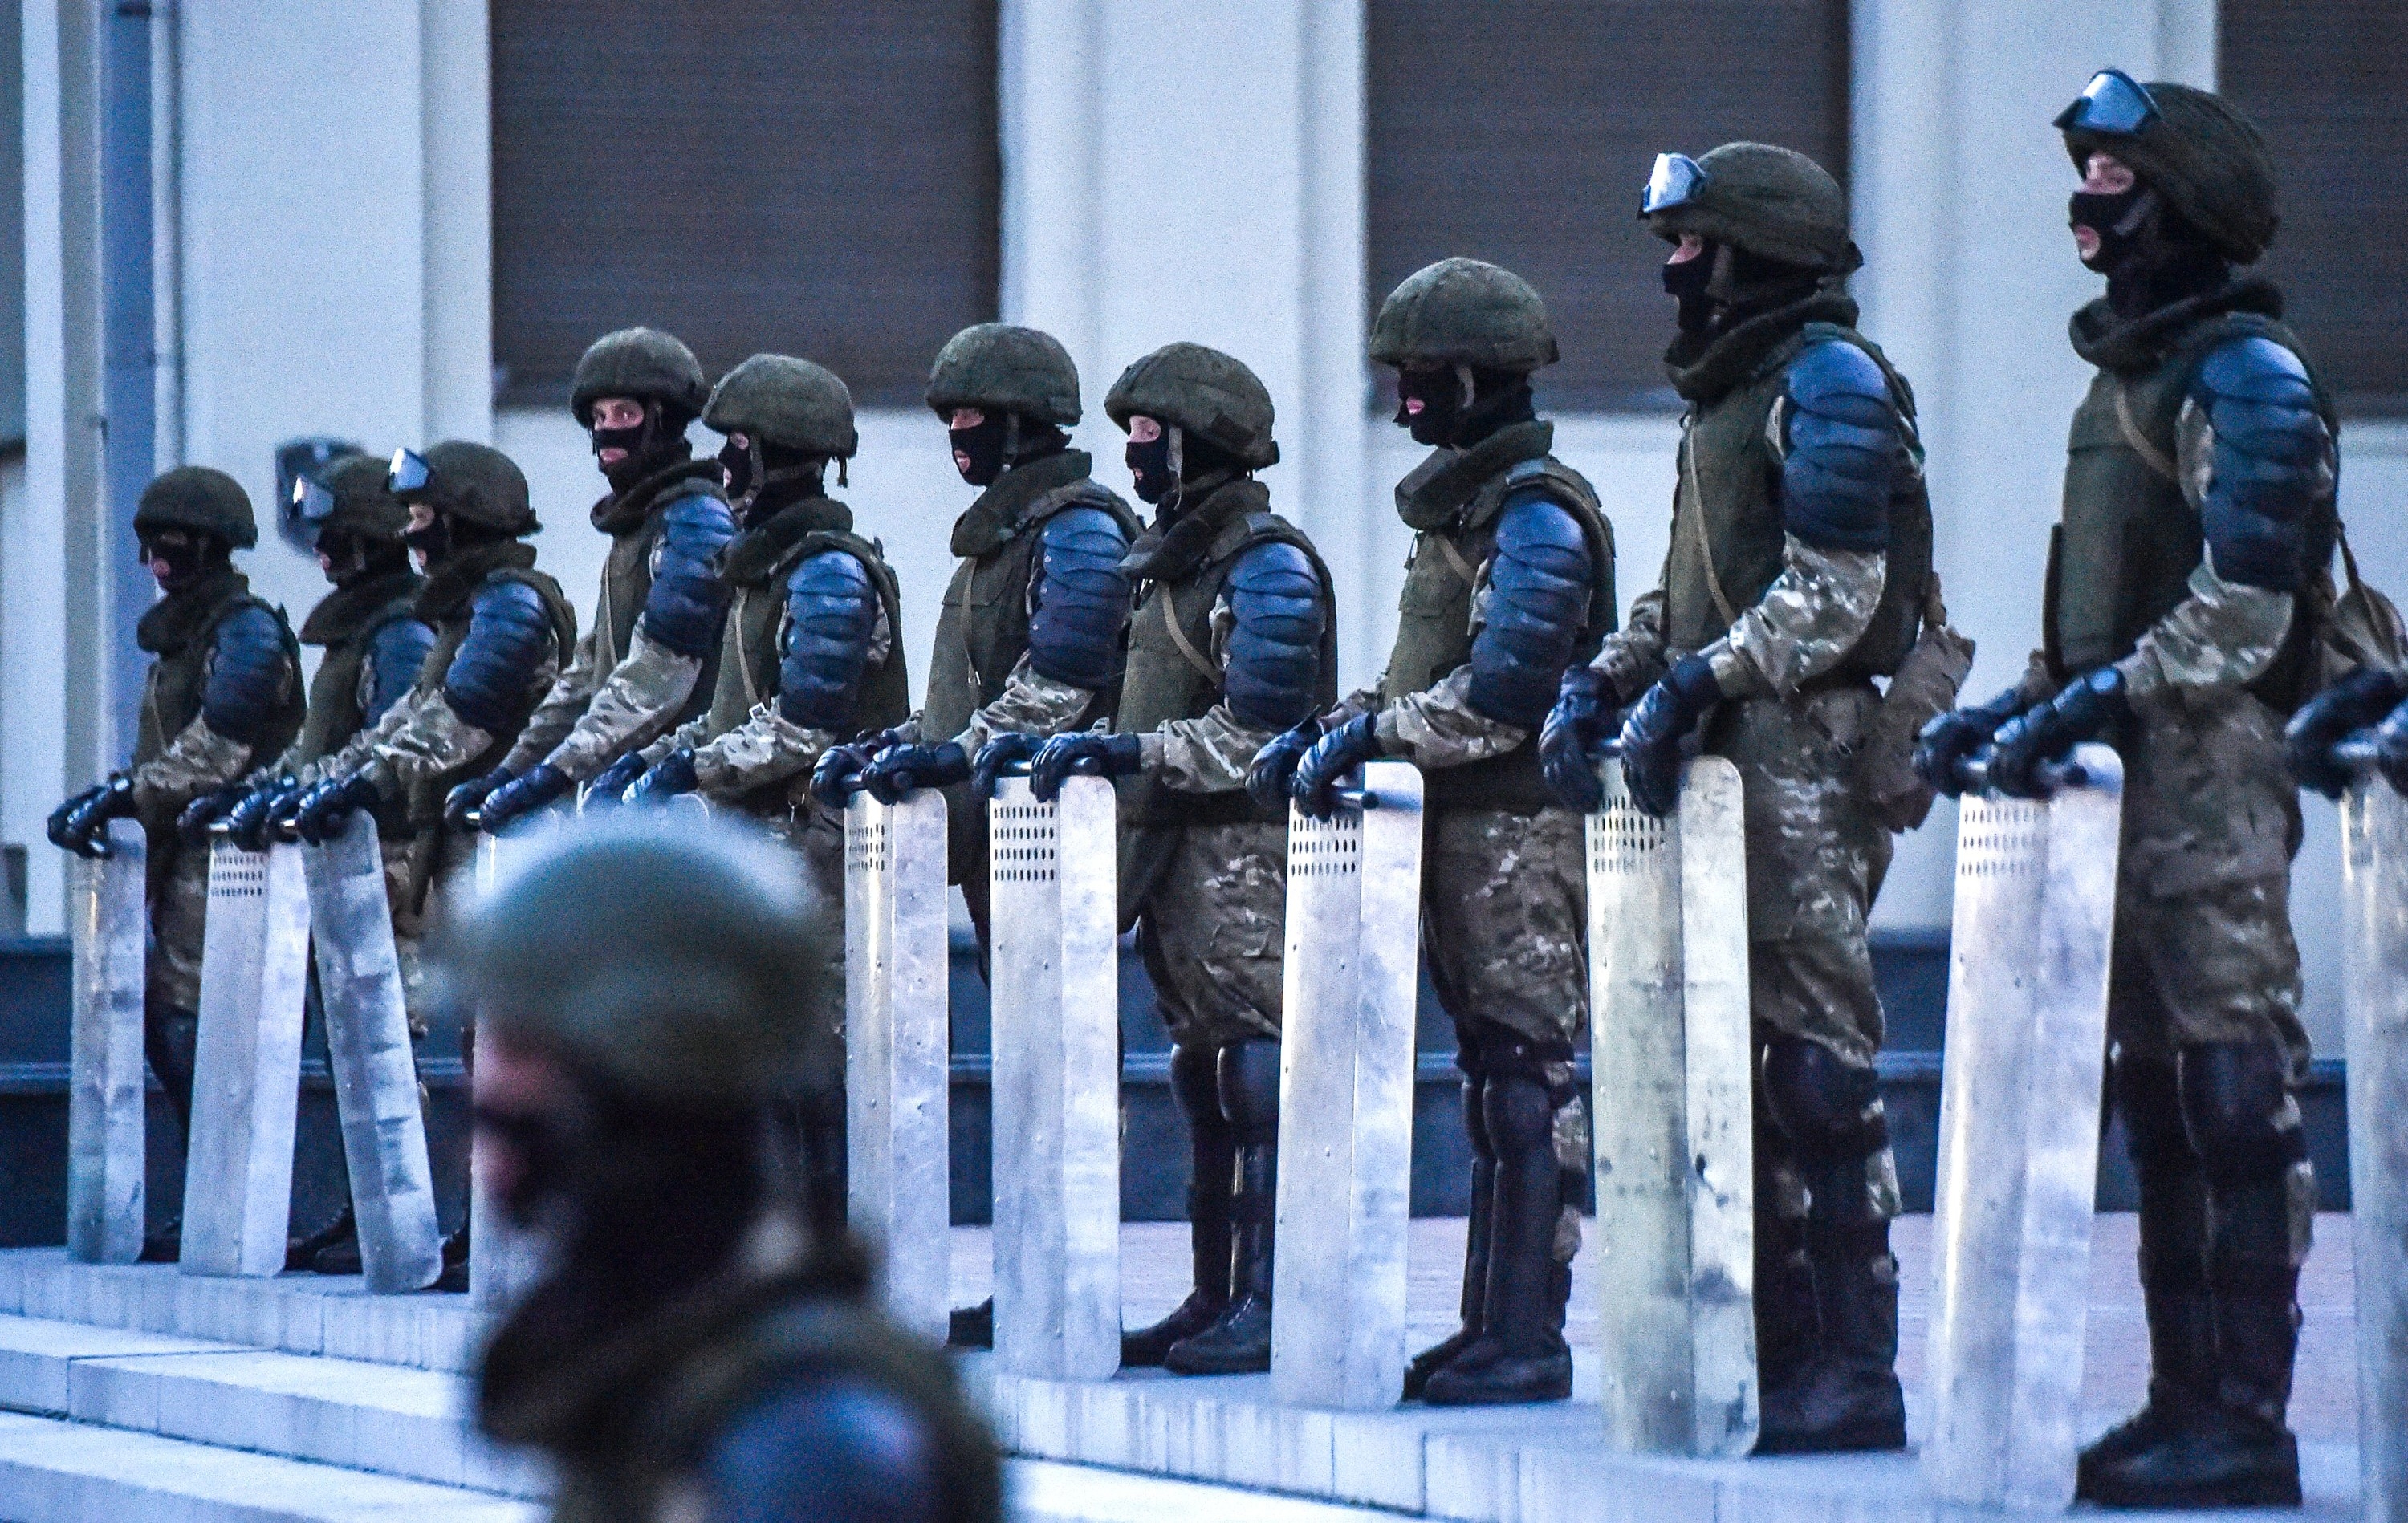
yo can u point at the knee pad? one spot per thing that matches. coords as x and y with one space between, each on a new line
1520 1115
2238 1112
2149 1099
1250 1090
1195 1081
1828 1110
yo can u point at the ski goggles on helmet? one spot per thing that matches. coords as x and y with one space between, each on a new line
409 474
312 506
1675 181
2112 104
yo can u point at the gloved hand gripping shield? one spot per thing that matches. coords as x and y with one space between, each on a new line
1672 1114
2028 958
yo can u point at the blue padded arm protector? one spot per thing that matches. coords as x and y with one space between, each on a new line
683 610
2271 464
396 649
1079 599
1278 615
249 671
493 674
1844 449
831 613
1539 583
823 1446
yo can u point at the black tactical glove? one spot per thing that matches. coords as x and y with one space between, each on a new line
81 824
247 823
522 796
1274 766
1331 758
1949 741
899 769
325 808
193 824
468 797
612 781
837 777
670 776
1569 740
1657 723
1086 753
2357 702
2045 732
1000 756
2391 749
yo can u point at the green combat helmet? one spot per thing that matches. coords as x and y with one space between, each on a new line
1463 312
362 504
1773 202
2205 157
1011 369
478 484
1202 391
203 500
793 404
667 961
641 363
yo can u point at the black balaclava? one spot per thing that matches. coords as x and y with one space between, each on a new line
1724 285
1685 283
656 442
1463 404
1175 456
2150 253
762 478
1001 441
355 558
448 538
191 554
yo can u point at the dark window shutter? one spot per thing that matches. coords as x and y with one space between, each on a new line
1520 132
2324 80
816 178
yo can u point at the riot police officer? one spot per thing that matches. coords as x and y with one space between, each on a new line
700 1347
1800 550
645 665
223 692
1233 642
1029 642
1511 582
2184 587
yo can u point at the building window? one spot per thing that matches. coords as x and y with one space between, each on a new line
2324 80
1522 138
815 178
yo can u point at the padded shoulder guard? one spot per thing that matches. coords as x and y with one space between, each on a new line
824 648
1278 610
251 673
688 599
491 681
2258 462
1841 446
826 1445
1537 606
396 649
1079 600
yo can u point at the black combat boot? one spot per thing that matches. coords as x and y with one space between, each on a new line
2173 1271
1213 1154
1239 1342
454 1277
343 1232
1430 1360
1787 1326
1520 1355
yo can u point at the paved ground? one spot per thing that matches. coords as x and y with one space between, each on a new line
1154 1276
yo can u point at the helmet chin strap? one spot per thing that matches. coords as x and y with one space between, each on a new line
1176 498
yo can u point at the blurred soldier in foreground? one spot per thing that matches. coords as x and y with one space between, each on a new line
374 643
1511 582
223 694
700 1348
645 665
2187 587
1234 641
1029 642
1799 558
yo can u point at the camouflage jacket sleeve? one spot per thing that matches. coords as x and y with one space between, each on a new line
424 737
198 760
1438 727
631 704
2224 634
1813 615
1633 656
691 735
557 715
766 747
354 753
1209 755
1031 704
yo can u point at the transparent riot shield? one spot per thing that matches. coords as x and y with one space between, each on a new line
247 1068
897 1052
1055 987
106 1135
2374 883
2019 1161
1675 1148
502 1262
376 1074
1346 1094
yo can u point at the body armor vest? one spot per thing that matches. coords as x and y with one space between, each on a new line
634 522
1171 672
345 622
448 605
1434 623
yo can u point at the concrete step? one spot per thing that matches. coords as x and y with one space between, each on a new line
53 1471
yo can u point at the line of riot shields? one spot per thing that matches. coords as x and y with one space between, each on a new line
1674 1152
